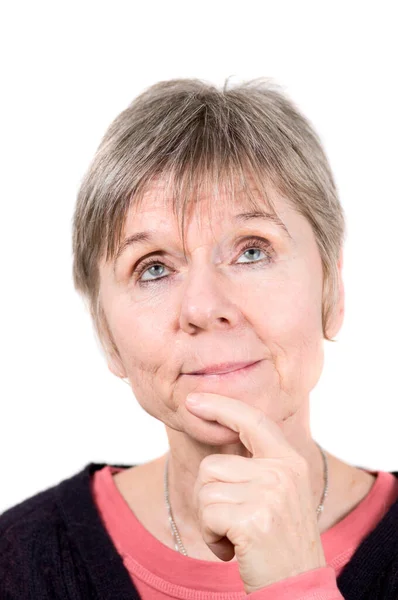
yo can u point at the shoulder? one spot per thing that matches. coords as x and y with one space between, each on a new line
29 520
39 512
34 543
372 572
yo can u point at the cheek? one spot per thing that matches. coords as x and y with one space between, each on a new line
289 321
297 315
140 334
289 306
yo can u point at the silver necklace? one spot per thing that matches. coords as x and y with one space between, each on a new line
177 540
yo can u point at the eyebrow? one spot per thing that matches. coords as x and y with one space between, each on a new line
143 237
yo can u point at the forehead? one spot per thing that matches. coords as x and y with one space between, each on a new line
210 208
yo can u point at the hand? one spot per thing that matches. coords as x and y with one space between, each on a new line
259 509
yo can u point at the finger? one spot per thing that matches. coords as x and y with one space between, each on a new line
218 492
257 432
215 525
231 468
237 474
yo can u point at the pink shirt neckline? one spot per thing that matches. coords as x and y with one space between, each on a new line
147 555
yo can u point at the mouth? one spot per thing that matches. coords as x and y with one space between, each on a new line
227 373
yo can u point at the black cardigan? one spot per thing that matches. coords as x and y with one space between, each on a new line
54 546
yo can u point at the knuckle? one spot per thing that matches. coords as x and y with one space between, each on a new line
273 476
208 463
210 516
206 494
300 466
264 521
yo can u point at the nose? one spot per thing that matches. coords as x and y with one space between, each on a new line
207 301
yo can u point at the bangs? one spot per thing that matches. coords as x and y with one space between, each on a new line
221 183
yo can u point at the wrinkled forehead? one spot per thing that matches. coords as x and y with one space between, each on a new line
159 205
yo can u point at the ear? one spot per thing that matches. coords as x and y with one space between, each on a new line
116 366
339 309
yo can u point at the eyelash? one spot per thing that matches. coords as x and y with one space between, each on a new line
254 243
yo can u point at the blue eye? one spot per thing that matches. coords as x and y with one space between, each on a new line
146 267
256 244
251 248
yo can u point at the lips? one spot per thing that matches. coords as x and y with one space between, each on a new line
222 368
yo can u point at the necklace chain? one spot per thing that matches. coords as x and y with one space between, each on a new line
177 539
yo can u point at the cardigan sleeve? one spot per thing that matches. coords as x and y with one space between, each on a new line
317 584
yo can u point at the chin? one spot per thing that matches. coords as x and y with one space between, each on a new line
211 433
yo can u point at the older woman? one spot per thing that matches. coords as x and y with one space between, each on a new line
208 241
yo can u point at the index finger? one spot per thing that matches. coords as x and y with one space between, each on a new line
257 432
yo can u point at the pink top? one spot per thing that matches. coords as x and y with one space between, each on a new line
158 572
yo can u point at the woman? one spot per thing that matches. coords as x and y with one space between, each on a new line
208 241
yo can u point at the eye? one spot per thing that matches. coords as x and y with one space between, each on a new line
146 267
257 244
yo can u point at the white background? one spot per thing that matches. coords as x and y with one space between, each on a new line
68 68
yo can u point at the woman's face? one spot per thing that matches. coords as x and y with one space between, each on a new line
247 291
